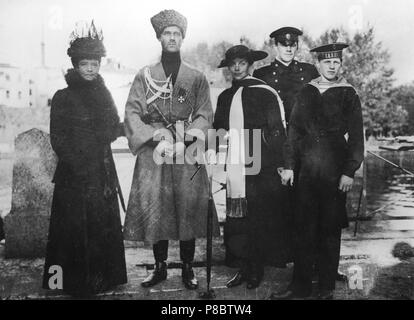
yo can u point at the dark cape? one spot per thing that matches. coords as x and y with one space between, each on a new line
262 235
85 233
317 144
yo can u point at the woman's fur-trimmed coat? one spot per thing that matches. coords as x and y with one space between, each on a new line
85 234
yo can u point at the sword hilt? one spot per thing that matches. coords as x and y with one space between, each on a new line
170 126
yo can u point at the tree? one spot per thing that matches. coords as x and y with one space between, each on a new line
386 110
268 47
404 96
366 67
198 56
305 44
247 42
217 53
206 59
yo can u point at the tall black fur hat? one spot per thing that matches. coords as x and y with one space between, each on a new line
167 18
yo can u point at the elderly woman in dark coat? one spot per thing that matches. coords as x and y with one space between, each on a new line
85 235
255 229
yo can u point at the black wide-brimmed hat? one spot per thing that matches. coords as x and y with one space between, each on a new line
86 42
330 51
242 52
286 35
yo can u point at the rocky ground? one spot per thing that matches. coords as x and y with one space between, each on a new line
369 254
383 276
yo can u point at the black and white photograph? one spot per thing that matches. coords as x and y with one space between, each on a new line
215 152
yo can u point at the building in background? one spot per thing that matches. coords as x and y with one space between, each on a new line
17 88
46 81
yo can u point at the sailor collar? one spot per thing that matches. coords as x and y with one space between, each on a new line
323 85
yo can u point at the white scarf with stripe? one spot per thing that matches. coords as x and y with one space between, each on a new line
236 162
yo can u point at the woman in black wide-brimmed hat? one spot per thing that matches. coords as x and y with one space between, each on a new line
255 228
85 235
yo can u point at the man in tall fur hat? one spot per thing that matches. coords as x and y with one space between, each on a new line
164 204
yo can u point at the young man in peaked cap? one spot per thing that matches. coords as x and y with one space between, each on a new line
285 74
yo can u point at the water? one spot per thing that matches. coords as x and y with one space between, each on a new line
390 192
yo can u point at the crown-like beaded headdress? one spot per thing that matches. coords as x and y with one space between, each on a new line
86 41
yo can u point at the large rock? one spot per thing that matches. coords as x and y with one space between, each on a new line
27 224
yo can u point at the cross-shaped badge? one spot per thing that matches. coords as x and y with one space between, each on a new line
182 94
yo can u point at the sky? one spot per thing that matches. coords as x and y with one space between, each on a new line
129 37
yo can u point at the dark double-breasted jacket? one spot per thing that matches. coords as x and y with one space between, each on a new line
287 80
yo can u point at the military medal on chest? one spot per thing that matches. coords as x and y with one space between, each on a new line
182 95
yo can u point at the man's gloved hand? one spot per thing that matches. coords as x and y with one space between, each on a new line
163 134
345 183
162 150
210 161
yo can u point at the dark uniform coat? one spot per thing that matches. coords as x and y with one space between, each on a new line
316 138
287 80
164 204
261 235
85 234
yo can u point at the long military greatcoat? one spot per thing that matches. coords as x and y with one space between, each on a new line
164 204
287 80
261 235
317 140
85 233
